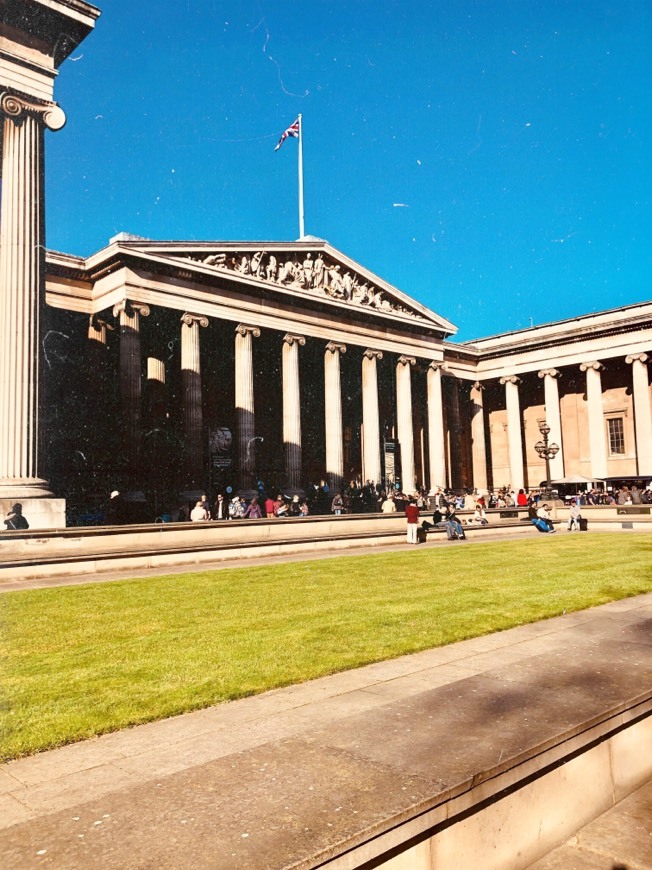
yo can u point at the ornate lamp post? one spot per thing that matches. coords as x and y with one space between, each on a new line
546 451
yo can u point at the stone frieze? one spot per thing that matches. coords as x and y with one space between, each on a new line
314 274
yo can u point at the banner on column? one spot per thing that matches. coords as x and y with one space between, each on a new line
389 452
220 443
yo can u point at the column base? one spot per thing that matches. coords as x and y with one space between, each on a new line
24 487
40 513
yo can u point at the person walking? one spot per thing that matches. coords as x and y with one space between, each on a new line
412 516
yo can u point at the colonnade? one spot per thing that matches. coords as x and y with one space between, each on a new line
130 315
592 370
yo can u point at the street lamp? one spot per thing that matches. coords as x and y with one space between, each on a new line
546 451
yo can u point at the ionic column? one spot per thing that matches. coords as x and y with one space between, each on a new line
372 469
155 383
129 315
97 341
192 399
404 420
514 439
436 442
455 430
478 441
244 402
22 275
553 418
642 413
292 410
333 414
597 442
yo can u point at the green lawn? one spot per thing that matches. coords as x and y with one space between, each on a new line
83 660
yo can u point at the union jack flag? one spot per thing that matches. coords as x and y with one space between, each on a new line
292 130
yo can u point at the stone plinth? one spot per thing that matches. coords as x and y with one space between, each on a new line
40 513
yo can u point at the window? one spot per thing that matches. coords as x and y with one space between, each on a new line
616 433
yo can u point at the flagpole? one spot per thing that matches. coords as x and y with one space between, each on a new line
301 219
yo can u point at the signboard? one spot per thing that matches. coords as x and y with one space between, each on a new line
220 445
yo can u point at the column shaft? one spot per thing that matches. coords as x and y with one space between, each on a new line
478 441
333 414
130 379
514 437
642 412
370 417
436 442
404 421
292 411
192 400
21 275
244 403
553 418
597 441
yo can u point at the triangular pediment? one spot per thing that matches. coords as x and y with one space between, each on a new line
309 268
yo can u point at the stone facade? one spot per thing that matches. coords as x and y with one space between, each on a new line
307 383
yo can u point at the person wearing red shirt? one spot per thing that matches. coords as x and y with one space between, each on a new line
521 499
412 515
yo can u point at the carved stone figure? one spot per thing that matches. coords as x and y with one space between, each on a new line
308 266
255 262
272 268
215 260
318 272
244 265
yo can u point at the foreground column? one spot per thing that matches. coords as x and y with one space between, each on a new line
478 441
292 411
371 466
553 418
514 438
22 260
244 404
436 440
642 413
404 421
333 414
129 315
597 442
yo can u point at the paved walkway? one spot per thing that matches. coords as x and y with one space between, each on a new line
283 779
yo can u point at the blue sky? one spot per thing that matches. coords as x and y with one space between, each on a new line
491 159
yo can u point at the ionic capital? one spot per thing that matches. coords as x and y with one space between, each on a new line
98 323
478 385
595 365
436 366
192 319
17 107
552 373
637 357
243 330
406 360
373 354
294 339
510 379
130 308
335 347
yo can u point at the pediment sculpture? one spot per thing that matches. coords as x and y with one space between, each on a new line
315 274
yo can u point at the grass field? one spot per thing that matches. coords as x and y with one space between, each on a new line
83 660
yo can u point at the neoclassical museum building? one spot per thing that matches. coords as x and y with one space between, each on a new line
178 367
